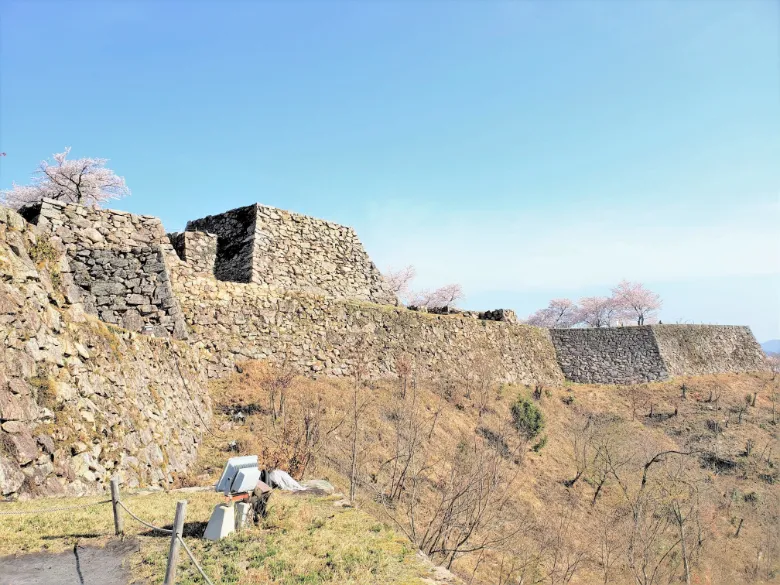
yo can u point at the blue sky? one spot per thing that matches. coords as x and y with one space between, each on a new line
528 150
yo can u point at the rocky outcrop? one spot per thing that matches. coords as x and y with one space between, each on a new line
81 400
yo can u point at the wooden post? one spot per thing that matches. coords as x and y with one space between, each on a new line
173 554
741 520
119 523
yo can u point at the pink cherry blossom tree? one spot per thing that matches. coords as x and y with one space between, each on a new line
635 301
441 298
559 314
446 296
85 181
399 280
597 311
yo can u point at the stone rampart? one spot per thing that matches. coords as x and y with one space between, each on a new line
292 252
319 335
627 355
262 283
197 249
622 355
116 260
693 350
81 400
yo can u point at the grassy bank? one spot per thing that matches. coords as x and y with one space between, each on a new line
304 539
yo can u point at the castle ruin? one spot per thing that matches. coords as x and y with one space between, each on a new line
83 395
263 283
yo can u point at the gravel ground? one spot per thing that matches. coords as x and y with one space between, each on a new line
80 566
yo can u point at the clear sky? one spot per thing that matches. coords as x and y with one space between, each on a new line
527 150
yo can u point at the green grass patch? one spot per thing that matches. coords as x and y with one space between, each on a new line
304 540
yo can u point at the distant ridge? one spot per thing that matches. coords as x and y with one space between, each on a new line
771 346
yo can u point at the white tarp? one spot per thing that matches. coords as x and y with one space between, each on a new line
281 480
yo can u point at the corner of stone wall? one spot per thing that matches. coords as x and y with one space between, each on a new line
115 261
691 350
197 249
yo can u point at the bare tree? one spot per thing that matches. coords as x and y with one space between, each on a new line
581 439
662 506
85 181
485 367
467 494
598 450
404 367
277 379
773 362
561 557
609 546
359 366
412 430
469 514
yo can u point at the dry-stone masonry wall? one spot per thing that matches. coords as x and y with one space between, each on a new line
627 355
623 355
258 282
197 249
81 400
328 336
694 350
235 231
116 260
292 252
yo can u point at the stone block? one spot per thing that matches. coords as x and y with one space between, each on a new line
136 299
11 476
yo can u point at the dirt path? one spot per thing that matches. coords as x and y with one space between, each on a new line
85 565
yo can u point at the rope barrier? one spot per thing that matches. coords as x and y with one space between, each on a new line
59 509
194 562
133 516
137 519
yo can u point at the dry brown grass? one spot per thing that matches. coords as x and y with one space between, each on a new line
304 539
746 492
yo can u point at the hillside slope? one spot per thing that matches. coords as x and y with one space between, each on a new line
640 484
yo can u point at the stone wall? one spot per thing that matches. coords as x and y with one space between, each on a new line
319 335
622 355
116 260
627 355
694 350
292 252
81 400
309 299
197 249
235 231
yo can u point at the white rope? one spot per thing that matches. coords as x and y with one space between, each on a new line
152 526
48 510
194 562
